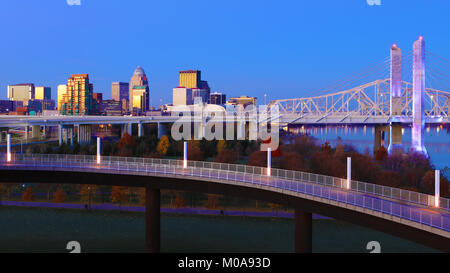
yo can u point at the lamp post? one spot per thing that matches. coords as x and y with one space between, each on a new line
269 159
185 154
437 186
98 150
8 149
349 172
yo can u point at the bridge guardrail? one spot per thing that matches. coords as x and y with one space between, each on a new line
363 187
149 166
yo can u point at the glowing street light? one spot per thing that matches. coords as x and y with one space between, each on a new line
437 185
185 154
349 172
98 150
8 149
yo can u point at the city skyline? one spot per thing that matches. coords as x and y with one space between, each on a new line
277 56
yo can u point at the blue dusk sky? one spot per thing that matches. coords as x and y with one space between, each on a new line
243 47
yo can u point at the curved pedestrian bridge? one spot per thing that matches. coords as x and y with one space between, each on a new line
404 213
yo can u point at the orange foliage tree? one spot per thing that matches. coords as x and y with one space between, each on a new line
126 145
389 178
258 158
179 201
292 161
163 145
212 202
87 191
226 156
194 152
381 154
28 195
118 194
59 196
428 181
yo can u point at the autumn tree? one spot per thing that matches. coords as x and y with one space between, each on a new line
226 156
212 202
428 181
28 195
389 178
118 194
59 196
381 154
126 145
179 201
258 158
221 145
194 152
163 145
87 192
292 161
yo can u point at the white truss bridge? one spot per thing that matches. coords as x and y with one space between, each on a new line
364 104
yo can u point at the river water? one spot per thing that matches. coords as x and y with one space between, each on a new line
437 139
49 230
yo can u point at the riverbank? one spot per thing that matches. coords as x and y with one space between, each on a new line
188 211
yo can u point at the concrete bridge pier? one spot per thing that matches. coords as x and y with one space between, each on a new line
303 231
84 134
395 141
36 131
140 129
26 133
126 128
60 134
152 220
163 129
380 137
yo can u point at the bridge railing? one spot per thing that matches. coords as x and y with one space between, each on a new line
165 167
340 183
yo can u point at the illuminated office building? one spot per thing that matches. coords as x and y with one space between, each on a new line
42 93
21 92
192 79
78 98
62 90
139 92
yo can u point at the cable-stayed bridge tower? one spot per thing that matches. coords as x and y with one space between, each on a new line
418 123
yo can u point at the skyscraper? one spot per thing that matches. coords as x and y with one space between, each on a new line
192 79
78 98
21 92
120 91
42 93
139 91
62 90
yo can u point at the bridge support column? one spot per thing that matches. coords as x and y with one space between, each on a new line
418 124
26 133
162 129
395 141
60 134
379 137
35 131
140 130
303 231
152 219
71 135
126 128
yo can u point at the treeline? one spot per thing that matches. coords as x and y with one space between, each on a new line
411 171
